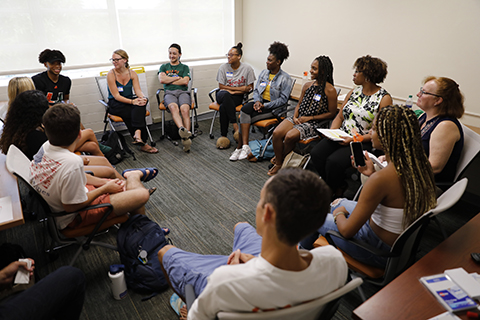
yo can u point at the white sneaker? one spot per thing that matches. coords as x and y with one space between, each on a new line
235 155
244 153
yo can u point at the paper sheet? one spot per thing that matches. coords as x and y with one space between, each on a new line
6 211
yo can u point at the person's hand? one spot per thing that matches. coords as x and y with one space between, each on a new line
237 257
368 169
342 209
86 161
258 106
382 158
295 120
304 119
140 102
346 140
7 274
114 186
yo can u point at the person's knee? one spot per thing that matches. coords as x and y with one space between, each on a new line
292 136
238 223
162 252
173 107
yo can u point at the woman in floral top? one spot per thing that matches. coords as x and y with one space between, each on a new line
360 107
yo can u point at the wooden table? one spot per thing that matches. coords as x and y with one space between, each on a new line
406 298
9 187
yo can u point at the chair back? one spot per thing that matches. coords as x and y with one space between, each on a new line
315 309
450 197
471 147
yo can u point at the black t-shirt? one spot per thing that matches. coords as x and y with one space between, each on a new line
35 139
55 92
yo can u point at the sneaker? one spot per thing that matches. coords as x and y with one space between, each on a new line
244 153
184 133
235 154
186 144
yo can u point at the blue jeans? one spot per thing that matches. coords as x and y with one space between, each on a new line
59 295
365 234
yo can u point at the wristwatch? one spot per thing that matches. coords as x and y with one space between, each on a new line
337 214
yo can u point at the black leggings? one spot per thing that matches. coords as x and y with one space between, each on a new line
228 102
133 116
331 160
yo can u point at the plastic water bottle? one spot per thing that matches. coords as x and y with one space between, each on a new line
304 77
409 102
117 277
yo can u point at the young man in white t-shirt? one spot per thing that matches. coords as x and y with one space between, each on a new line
265 271
59 176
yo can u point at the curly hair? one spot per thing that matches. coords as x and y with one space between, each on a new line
374 69
279 50
25 115
409 159
301 202
48 54
452 104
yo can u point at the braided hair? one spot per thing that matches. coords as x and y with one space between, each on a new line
399 134
325 74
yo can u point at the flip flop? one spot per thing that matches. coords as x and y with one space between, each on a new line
138 142
166 231
152 190
146 177
150 150
176 303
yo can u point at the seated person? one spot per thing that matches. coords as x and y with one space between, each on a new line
59 295
361 105
28 134
61 180
265 270
122 102
392 198
318 102
57 89
235 79
272 91
442 134
175 77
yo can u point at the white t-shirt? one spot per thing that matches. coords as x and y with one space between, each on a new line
258 285
60 178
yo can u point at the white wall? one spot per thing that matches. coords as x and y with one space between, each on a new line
415 38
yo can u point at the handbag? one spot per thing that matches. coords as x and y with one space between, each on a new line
295 160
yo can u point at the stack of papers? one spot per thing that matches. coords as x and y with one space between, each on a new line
334 134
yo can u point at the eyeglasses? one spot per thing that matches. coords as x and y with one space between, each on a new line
115 60
424 92
231 55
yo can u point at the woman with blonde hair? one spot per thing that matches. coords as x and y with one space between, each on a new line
392 198
18 85
126 99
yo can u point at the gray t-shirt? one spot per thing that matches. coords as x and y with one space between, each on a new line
243 76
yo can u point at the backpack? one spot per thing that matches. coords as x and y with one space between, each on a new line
256 147
137 235
117 154
171 130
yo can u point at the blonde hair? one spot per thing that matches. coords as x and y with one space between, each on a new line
122 53
399 134
18 85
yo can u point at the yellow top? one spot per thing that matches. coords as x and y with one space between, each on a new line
266 93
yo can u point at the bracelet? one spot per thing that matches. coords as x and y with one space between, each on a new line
337 214
131 101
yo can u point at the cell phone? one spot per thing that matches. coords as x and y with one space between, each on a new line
357 153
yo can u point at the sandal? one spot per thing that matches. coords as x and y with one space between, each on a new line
151 191
272 161
150 150
146 176
166 231
274 170
138 142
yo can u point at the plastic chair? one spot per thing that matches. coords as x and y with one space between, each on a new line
321 308
403 252
18 164
116 122
216 107
193 107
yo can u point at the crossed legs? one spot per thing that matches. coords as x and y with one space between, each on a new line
134 198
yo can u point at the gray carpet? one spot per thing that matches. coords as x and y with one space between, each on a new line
200 197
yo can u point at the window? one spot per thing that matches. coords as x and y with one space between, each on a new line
88 31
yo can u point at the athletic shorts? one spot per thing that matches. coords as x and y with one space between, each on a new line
179 97
186 267
89 217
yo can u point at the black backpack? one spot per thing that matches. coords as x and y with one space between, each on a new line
117 154
137 238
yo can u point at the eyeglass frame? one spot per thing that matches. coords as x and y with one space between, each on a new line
228 55
422 92
115 60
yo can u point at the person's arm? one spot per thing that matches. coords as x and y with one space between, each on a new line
8 273
442 141
236 90
112 186
164 79
337 122
373 193
181 81
112 86
332 107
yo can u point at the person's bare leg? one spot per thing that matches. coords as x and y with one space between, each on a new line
101 162
291 138
175 114
103 172
135 196
278 135
185 110
88 143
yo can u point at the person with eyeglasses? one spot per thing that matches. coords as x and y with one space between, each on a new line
235 79
442 135
360 107
122 102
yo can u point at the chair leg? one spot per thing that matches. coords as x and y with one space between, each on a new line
163 125
211 126
150 137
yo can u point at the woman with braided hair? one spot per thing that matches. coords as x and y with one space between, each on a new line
318 101
361 104
391 198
